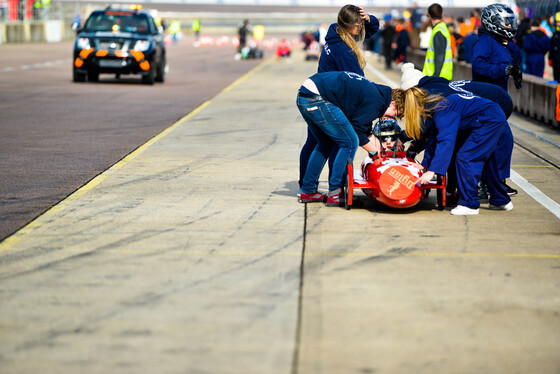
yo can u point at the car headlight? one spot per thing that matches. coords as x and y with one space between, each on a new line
83 43
142 45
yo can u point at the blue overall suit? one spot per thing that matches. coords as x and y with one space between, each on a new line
490 58
474 121
492 92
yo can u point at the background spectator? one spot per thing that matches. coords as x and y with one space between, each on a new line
554 54
536 45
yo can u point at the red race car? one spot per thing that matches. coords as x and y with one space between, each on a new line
389 178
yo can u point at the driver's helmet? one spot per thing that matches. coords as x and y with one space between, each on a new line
387 128
557 19
499 20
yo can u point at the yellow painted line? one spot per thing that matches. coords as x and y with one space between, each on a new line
9 243
341 254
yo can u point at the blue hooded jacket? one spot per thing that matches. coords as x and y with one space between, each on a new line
536 44
337 55
359 99
490 58
455 118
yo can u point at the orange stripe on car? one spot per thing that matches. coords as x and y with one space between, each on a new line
145 65
139 56
102 53
85 52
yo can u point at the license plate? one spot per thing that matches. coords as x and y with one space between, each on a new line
112 63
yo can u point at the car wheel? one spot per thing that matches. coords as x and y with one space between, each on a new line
160 76
150 77
93 76
78 77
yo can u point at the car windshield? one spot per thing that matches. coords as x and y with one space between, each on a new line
115 21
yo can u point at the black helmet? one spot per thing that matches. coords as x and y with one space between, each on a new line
386 128
499 20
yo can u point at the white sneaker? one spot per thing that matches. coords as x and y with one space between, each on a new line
461 210
508 206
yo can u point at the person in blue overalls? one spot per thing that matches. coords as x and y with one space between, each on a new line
472 121
341 52
339 108
536 44
495 55
436 85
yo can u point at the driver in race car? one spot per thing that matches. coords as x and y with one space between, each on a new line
387 131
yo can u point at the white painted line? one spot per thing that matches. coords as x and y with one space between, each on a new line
38 65
536 194
383 77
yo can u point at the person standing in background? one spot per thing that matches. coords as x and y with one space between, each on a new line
388 34
439 57
495 55
416 22
242 32
554 54
402 42
468 44
536 45
342 51
196 30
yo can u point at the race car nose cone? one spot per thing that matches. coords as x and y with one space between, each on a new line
397 183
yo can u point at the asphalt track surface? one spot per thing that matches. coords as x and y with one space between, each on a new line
56 135
192 255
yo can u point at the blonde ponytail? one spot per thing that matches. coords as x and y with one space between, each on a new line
353 44
412 103
348 17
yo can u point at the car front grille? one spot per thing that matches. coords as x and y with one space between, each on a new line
112 44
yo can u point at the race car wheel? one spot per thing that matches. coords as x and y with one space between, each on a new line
348 184
78 77
160 75
150 77
440 192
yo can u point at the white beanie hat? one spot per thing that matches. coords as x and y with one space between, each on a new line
410 76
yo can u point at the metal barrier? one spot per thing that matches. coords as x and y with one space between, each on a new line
536 99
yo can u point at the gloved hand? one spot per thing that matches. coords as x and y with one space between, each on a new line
518 80
513 69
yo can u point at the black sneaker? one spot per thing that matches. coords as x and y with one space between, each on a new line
482 192
510 191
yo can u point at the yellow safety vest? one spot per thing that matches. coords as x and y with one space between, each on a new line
429 64
196 24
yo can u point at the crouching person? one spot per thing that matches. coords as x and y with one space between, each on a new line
473 122
339 108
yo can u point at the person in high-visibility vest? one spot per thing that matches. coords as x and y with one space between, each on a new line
439 56
196 29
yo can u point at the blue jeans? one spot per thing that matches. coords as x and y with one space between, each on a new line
330 127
